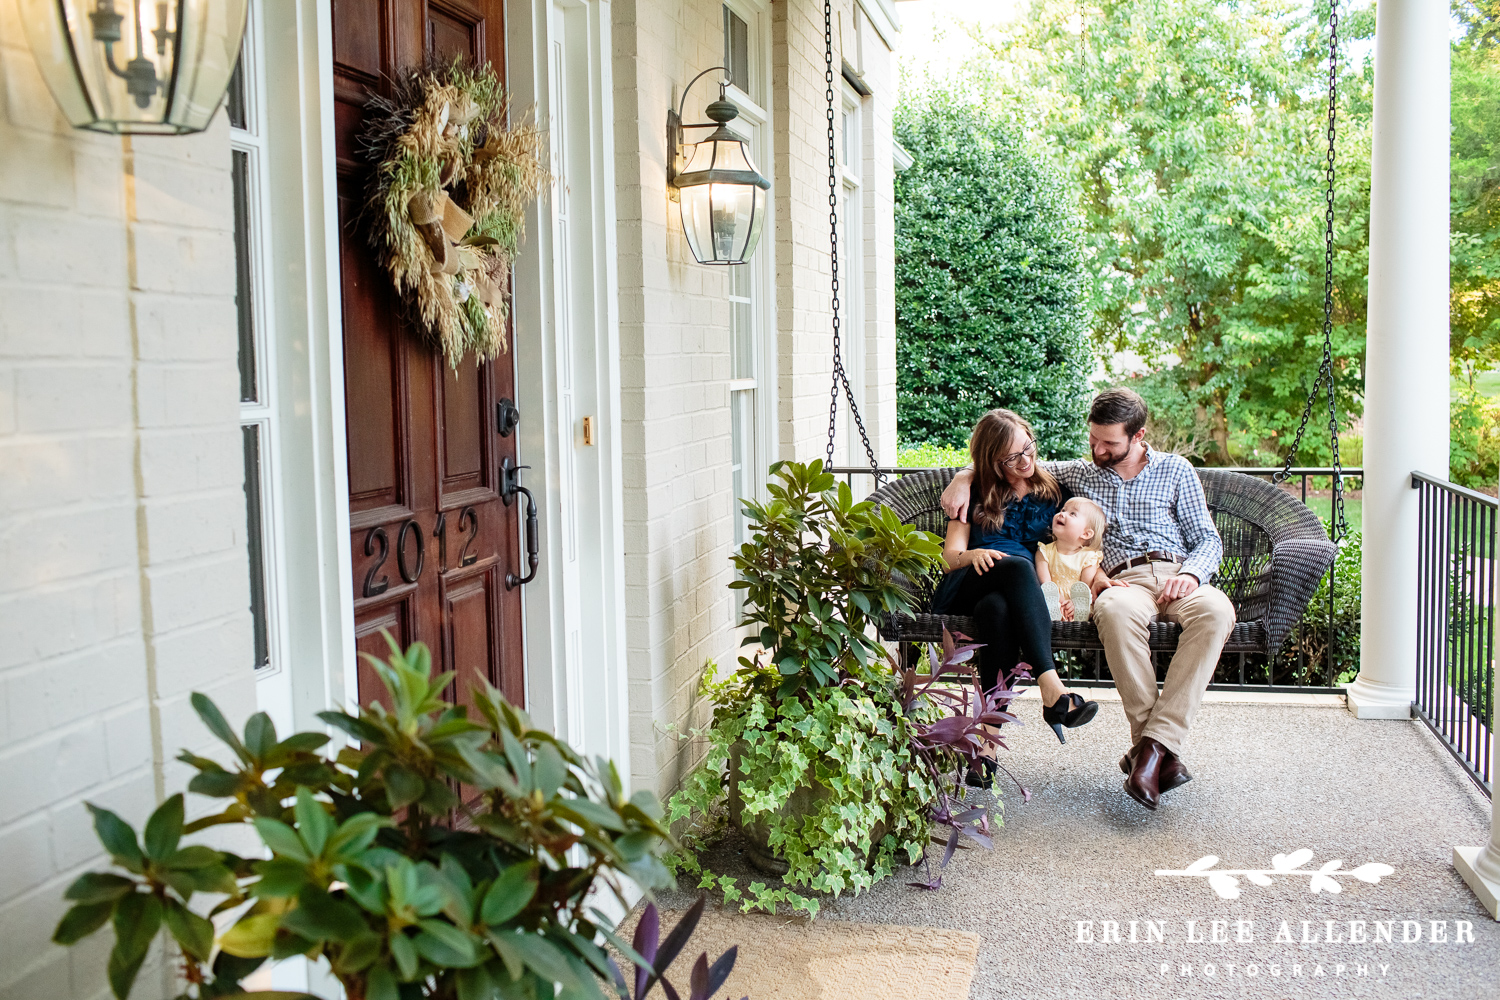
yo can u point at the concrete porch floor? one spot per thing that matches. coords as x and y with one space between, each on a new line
1273 774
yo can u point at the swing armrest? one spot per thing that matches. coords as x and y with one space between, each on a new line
1297 567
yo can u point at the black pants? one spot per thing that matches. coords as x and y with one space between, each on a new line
1010 617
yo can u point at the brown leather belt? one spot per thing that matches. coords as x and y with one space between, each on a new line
1149 557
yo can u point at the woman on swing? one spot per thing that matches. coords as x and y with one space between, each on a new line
991 573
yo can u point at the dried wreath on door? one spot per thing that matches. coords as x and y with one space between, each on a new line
447 200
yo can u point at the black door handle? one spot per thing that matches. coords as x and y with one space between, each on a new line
510 485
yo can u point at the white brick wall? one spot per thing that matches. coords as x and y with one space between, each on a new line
121 499
674 327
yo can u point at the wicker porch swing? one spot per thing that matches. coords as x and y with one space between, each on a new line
1275 549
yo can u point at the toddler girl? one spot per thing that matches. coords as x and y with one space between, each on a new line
1069 564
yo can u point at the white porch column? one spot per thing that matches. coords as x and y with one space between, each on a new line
1406 370
1480 866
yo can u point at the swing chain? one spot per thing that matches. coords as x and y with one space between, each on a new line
839 375
1325 377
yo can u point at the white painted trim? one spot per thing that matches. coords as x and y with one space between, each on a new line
883 18
749 108
305 315
566 301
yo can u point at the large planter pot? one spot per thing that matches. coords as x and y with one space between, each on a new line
757 832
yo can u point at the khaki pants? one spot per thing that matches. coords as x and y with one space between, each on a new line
1123 615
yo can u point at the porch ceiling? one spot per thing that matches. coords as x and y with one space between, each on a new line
1270 778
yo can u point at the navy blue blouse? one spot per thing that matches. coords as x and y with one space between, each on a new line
1028 520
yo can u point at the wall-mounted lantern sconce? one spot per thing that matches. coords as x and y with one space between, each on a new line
723 196
135 65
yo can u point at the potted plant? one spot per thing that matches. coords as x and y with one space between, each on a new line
834 762
439 857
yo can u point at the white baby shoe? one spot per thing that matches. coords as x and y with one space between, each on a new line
1083 601
1053 597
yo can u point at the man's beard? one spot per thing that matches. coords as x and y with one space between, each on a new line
1111 460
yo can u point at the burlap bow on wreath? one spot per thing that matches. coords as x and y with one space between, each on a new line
447 200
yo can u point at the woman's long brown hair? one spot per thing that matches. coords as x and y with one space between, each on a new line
999 434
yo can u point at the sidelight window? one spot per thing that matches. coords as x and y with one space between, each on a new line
248 166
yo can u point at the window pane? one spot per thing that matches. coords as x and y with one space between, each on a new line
742 438
741 322
737 49
852 137
236 95
256 546
242 275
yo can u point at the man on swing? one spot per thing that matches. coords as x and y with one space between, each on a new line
1160 550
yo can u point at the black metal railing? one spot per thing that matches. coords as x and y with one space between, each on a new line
1319 657
1456 620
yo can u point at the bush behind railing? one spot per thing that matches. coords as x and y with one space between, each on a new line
1305 656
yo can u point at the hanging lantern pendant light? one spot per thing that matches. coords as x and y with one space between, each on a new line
149 68
723 196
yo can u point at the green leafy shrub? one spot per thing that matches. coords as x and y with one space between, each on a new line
931 456
842 760
989 280
377 864
854 744
819 570
1306 653
1474 443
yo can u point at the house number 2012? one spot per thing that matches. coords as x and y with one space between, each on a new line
378 545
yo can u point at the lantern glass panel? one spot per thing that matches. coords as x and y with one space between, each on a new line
722 219
136 66
697 221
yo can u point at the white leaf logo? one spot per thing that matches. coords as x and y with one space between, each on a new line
1226 881
1322 883
1226 885
1372 872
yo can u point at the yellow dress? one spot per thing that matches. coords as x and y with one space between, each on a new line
1068 568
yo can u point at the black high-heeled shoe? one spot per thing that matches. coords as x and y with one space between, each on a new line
983 778
1070 710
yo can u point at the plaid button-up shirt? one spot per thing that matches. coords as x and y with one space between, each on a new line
1162 508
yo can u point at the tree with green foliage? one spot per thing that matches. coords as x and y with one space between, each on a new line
989 279
1475 192
1474 273
1195 131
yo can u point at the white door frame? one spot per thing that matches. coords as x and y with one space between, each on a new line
567 368
309 362
306 321
566 325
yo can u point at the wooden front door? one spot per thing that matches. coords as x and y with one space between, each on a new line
431 538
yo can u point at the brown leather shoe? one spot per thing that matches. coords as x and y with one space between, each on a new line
1143 783
1173 771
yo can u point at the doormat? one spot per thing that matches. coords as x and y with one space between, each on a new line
792 958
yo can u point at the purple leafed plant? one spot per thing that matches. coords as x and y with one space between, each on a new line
963 738
651 957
